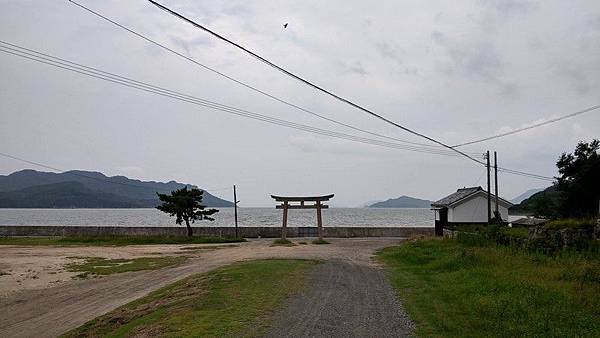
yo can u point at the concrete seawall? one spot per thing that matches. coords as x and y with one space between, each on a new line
250 232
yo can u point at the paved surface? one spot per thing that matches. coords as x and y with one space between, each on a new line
52 311
345 300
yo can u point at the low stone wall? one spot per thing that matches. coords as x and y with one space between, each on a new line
250 232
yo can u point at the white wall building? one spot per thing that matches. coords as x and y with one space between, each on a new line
469 205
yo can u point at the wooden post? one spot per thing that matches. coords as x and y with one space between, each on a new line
235 203
319 221
442 223
489 196
284 225
497 213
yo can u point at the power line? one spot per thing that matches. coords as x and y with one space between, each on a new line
526 174
74 173
271 96
253 88
128 82
311 84
535 125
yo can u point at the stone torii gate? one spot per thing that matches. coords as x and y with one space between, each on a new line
287 202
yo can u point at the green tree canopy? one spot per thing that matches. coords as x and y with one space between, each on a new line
186 206
579 180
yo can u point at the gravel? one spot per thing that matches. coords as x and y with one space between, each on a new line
345 299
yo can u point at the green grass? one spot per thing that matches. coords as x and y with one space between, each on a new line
516 232
115 240
234 301
319 241
103 266
283 242
467 227
451 289
571 223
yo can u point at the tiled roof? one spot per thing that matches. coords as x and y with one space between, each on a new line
457 196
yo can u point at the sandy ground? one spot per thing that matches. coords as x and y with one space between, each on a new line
53 303
38 267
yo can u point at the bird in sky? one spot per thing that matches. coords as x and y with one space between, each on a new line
285 25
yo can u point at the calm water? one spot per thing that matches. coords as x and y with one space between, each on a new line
246 217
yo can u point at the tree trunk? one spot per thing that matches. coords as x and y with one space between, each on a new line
189 228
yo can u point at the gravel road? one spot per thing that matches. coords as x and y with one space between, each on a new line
51 311
345 300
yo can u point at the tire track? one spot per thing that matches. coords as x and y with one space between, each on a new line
345 300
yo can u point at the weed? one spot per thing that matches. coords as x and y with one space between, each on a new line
283 242
233 301
102 266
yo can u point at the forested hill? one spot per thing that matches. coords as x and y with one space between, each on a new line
402 202
85 189
540 203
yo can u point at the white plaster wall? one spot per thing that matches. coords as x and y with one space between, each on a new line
474 210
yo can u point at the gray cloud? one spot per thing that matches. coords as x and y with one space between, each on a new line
577 78
509 8
356 68
455 70
474 59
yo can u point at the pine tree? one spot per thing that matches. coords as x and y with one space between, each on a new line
186 206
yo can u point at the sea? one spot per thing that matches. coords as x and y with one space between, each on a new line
267 217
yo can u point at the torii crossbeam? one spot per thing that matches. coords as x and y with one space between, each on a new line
289 202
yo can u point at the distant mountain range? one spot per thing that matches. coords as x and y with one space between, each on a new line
548 196
525 195
85 189
402 202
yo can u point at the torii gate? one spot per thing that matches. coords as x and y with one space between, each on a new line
286 204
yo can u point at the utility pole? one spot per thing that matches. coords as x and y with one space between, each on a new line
489 197
496 181
235 203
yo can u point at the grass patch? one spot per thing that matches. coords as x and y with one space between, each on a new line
115 240
468 227
516 232
103 266
234 301
320 241
283 242
571 223
207 248
453 289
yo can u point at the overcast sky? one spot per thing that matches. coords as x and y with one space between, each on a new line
454 70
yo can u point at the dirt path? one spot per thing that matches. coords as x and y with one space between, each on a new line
51 311
345 300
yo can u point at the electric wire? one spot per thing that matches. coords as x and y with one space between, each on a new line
111 77
239 82
71 172
535 125
255 89
311 84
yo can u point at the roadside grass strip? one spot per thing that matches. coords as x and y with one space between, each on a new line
451 289
102 266
115 240
238 300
